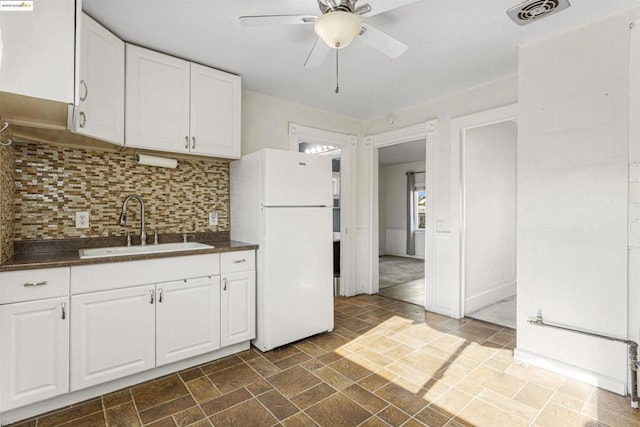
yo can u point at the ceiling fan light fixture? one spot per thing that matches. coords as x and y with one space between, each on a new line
338 29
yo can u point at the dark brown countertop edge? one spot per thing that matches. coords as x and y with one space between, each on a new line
53 259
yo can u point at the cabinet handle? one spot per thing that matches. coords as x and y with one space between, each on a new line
32 284
160 295
224 284
238 261
152 295
86 90
193 145
64 311
186 142
83 119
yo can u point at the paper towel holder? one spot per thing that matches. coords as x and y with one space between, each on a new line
163 162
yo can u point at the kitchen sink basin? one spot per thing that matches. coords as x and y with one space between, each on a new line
141 250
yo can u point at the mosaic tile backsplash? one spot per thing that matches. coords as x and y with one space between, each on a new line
6 202
52 184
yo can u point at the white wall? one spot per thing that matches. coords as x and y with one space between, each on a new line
489 214
573 156
395 209
382 211
265 121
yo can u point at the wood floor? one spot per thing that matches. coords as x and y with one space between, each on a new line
385 363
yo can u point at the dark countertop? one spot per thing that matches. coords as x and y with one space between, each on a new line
37 254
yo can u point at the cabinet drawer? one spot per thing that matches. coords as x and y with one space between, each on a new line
30 285
237 261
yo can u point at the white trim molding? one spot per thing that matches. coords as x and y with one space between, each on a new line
427 131
347 144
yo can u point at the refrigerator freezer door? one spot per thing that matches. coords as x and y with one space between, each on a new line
296 179
295 293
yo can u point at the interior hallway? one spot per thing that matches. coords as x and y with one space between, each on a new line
385 363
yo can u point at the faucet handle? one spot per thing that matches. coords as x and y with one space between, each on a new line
155 236
185 237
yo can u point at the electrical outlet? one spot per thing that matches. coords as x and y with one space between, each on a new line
213 218
82 219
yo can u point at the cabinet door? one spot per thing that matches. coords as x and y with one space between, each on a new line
101 92
157 101
39 51
187 319
113 335
215 112
238 308
34 351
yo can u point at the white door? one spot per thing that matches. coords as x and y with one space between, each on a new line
157 101
34 351
187 318
101 110
113 335
237 307
215 112
297 179
296 298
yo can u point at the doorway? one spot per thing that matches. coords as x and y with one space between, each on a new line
341 148
402 221
486 146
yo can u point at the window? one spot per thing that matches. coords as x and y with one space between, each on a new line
420 212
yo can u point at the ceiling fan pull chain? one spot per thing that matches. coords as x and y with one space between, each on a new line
337 69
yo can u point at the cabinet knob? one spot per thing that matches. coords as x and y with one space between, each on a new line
32 284
86 90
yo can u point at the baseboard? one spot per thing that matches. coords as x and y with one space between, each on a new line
580 374
71 398
492 296
404 255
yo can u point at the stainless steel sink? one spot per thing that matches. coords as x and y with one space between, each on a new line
141 250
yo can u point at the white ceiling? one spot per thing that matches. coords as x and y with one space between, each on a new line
453 45
415 151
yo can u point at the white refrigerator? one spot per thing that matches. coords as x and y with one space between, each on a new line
283 201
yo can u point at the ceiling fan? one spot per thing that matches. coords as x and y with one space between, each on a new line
337 26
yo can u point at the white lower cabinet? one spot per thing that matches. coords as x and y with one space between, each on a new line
34 351
187 318
237 307
112 335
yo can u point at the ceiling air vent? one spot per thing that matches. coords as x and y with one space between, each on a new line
533 10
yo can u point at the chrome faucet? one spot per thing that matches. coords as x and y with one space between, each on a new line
123 216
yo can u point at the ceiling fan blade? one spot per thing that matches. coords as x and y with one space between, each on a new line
318 54
261 20
382 41
382 6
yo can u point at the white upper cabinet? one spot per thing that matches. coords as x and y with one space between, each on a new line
100 112
39 50
157 101
215 112
177 106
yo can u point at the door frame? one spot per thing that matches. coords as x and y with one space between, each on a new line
459 127
347 144
427 131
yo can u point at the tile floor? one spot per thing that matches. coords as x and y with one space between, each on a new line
385 363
